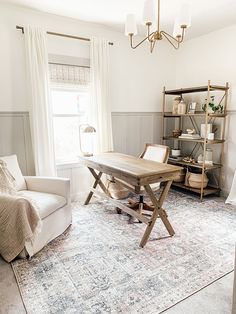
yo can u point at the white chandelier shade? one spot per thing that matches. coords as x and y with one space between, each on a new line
149 12
130 26
184 15
177 29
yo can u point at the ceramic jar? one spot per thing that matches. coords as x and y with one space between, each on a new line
206 129
200 159
182 107
175 152
209 155
175 105
211 136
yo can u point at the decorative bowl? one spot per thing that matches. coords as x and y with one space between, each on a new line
176 133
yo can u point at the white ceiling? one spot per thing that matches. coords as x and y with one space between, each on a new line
207 15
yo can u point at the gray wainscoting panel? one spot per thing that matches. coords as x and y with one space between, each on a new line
15 139
131 130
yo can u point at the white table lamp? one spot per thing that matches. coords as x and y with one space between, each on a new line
86 139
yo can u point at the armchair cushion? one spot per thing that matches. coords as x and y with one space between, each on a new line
14 169
46 203
52 185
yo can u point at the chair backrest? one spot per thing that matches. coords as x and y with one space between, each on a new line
155 152
14 169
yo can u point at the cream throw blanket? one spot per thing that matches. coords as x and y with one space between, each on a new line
19 224
19 218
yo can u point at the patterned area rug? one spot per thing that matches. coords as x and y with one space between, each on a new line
96 266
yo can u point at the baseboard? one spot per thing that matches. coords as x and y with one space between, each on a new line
81 196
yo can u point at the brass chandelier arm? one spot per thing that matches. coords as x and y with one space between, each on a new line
148 31
178 40
182 35
171 39
166 35
131 40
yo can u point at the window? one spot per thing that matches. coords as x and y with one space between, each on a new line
70 108
70 101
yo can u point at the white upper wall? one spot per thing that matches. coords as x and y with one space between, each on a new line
136 77
212 57
209 57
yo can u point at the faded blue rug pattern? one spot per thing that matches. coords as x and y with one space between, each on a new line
97 266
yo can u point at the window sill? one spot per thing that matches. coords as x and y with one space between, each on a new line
68 165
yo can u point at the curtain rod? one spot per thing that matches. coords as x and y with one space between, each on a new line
61 35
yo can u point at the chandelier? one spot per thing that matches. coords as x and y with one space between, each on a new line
182 22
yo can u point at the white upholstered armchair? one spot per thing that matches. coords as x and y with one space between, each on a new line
52 196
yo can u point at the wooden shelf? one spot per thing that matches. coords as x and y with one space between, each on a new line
196 165
200 140
195 90
196 119
206 191
196 114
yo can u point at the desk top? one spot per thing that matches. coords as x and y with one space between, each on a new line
136 171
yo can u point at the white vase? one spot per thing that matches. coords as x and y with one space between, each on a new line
175 105
182 107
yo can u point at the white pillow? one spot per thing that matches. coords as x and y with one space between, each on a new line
14 169
7 181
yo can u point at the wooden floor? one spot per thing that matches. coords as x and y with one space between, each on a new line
10 298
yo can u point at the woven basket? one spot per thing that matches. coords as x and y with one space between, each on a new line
181 176
194 180
117 190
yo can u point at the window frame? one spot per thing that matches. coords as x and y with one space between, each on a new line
60 87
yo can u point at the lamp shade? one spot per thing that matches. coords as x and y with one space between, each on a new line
149 12
130 25
184 16
89 129
177 29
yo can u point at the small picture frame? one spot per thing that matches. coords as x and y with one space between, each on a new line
192 107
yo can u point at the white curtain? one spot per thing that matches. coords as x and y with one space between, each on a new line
39 101
100 111
232 195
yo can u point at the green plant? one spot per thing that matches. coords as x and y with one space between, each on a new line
212 105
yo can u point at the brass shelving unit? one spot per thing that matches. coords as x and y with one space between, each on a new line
208 117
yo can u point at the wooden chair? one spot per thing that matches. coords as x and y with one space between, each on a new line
154 152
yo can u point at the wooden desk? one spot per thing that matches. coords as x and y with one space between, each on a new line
137 172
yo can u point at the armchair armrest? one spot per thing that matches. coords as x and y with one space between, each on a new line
53 185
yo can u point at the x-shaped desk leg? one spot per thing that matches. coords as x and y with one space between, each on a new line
158 212
97 182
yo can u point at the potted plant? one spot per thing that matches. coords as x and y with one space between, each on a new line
212 106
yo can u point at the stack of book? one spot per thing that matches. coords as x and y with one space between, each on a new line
175 158
190 136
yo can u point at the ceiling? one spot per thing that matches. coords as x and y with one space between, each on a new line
207 15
